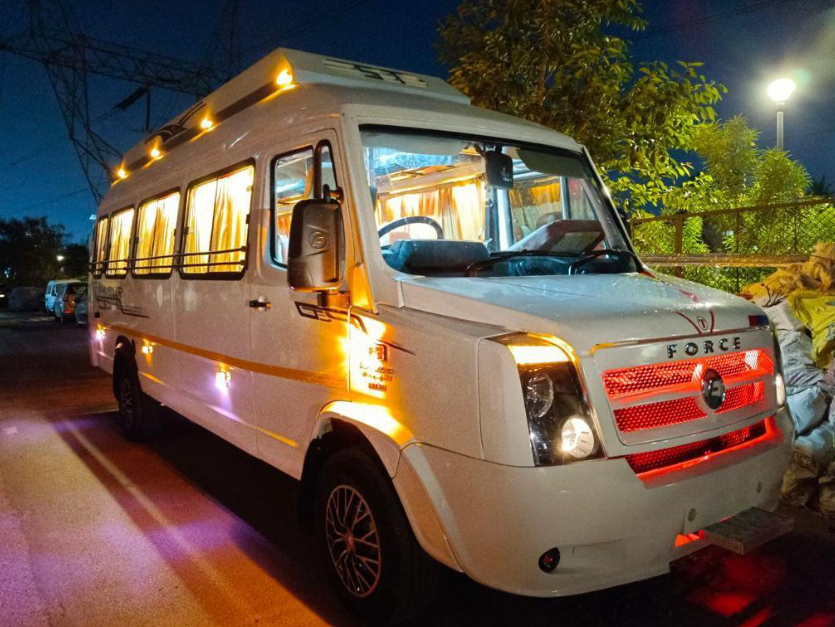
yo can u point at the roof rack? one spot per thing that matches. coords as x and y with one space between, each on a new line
281 70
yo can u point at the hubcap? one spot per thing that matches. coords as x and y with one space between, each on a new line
353 541
127 405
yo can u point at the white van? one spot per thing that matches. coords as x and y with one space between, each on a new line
432 316
55 290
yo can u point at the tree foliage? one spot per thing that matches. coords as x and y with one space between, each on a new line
29 249
820 188
557 62
76 260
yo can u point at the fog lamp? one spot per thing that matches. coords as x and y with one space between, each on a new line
549 560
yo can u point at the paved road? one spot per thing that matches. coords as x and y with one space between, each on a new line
187 531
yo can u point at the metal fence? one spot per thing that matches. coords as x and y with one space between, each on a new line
730 248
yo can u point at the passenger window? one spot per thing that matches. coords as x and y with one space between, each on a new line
155 228
100 246
294 177
121 224
216 224
293 181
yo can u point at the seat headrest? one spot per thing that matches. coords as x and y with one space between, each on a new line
425 256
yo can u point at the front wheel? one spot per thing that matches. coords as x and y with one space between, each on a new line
372 558
138 412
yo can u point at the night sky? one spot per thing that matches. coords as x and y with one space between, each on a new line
40 175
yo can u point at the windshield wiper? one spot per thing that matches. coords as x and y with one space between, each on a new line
615 252
495 258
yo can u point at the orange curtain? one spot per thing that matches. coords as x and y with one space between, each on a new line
155 234
121 224
529 204
458 208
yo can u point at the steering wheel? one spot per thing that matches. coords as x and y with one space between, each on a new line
388 228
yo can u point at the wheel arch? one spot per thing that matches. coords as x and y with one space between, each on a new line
341 425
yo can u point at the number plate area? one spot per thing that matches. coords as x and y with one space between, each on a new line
747 530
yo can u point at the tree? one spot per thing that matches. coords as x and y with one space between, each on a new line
29 250
556 62
76 260
820 188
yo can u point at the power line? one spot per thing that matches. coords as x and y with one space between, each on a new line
43 148
48 201
323 18
757 6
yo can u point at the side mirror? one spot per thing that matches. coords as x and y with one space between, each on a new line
315 249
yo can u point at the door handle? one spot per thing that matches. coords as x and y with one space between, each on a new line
260 304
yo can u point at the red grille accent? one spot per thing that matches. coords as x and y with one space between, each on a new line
741 396
654 415
645 378
684 373
654 461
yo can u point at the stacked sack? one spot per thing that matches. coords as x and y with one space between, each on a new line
800 303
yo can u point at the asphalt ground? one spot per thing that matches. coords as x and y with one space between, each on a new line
189 531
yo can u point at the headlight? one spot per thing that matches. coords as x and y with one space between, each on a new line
539 394
561 429
577 438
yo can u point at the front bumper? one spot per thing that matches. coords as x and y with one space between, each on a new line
610 526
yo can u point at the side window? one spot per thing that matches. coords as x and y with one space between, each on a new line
292 181
121 224
295 178
100 246
216 221
155 226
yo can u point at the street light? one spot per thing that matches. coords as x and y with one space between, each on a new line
780 91
60 257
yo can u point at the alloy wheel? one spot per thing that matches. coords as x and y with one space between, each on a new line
353 540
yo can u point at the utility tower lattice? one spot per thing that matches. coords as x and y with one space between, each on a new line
55 39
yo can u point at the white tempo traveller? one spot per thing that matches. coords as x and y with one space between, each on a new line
432 316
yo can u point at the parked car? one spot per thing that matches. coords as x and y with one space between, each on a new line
80 312
51 293
63 307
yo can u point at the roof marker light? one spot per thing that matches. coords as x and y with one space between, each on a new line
284 78
206 124
122 173
155 153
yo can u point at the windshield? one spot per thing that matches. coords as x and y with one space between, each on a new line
448 205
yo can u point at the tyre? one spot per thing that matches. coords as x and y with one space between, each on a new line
138 413
372 558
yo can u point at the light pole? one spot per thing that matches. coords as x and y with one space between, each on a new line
780 91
